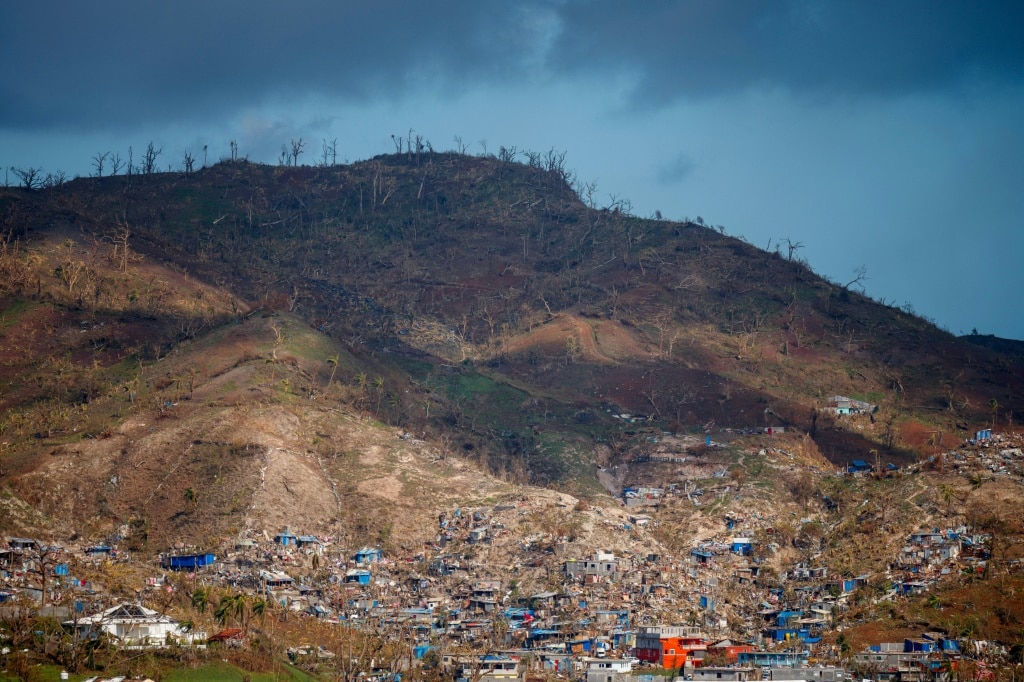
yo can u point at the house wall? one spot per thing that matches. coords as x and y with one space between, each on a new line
723 674
607 676
591 567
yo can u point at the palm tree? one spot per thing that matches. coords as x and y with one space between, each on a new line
230 607
200 599
378 384
241 602
947 494
259 608
361 382
223 612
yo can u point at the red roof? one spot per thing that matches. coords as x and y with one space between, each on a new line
224 635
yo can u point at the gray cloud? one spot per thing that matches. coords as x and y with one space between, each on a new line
108 63
675 169
838 47
112 62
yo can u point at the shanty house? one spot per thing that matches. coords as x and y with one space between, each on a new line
188 562
286 539
602 565
367 555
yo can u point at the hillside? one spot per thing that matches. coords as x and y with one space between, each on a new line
490 283
360 352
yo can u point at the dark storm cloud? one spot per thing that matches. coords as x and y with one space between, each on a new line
86 64
833 47
676 169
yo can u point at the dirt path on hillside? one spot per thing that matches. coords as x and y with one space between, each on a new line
611 479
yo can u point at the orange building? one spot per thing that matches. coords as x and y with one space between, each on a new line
671 647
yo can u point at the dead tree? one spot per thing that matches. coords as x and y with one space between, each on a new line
30 177
98 162
121 236
41 561
861 274
297 147
330 153
149 158
792 247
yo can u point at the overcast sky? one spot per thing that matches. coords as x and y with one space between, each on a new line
886 134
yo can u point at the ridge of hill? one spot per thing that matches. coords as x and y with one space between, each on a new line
491 284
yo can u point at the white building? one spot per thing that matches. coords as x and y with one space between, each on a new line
134 625
607 669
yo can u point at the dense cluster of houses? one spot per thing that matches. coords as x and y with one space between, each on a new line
929 658
556 605
928 555
995 455
601 620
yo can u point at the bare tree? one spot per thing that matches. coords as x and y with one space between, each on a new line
70 269
149 158
116 163
204 155
460 146
421 144
70 646
587 192
42 559
398 141
329 155
188 162
383 186
555 161
31 178
297 147
121 253
98 162
618 205
792 247
861 274
234 150
55 179
20 624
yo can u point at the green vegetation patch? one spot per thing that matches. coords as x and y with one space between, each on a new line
494 405
225 672
12 314
205 206
561 459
